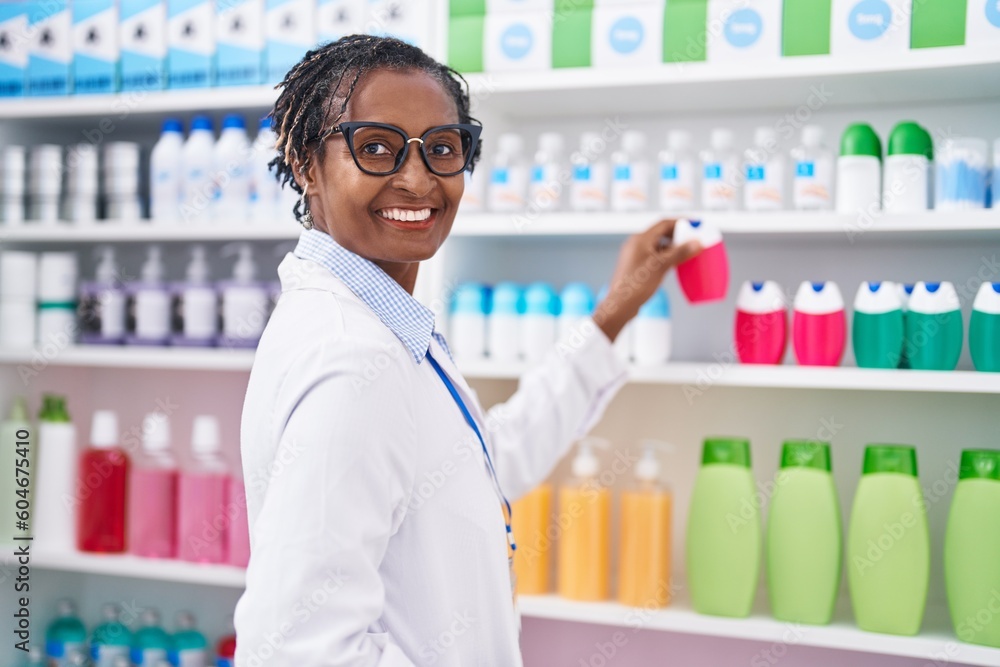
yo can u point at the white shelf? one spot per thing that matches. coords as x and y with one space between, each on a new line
936 640
123 356
129 566
140 231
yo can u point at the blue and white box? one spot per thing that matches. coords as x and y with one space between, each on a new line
409 20
517 42
741 30
143 44
290 30
239 37
627 35
339 18
982 28
13 48
95 46
51 48
190 43
861 29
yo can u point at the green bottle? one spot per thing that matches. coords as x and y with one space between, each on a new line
723 532
150 643
972 549
190 648
888 544
877 328
803 536
111 639
17 463
65 635
984 327
934 329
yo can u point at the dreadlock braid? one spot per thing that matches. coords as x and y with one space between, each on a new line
311 91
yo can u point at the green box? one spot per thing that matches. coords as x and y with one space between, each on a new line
571 38
573 5
466 8
685 35
465 43
937 23
805 27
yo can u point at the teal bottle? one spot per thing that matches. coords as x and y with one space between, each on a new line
65 635
934 330
150 643
190 648
904 290
111 639
984 327
877 328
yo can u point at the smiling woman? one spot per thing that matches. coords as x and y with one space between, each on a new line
399 489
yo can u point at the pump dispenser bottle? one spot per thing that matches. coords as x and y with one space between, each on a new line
584 546
244 301
195 305
148 308
102 304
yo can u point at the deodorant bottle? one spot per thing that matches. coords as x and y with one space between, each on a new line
877 330
984 328
704 277
761 323
819 325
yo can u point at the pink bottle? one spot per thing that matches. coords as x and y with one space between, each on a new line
239 531
819 327
153 500
202 516
102 485
704 277
761 323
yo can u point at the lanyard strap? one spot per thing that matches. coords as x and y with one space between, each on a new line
486 452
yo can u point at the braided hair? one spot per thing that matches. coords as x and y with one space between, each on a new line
304 113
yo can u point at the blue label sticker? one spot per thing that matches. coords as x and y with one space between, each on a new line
668 172
626 35
623 172
870 19
499 175
805 169
755 172
581 172
713 171
743 28
516 41
537 174
993 12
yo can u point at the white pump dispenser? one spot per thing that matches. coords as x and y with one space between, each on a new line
244 301
586 464
149 306
102 303
196 304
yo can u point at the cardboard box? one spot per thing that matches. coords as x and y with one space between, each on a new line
518 42
239 43
685 34
465 43
571 37
190 43
50 55
805 27
864 28
289 32
338 18
410 21
14 47
627 35
939 22
741 30
142 38
95 46
982 28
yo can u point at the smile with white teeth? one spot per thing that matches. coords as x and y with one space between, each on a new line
405 215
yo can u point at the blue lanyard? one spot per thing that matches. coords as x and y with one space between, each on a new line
472 422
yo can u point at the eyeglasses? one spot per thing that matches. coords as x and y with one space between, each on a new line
379 149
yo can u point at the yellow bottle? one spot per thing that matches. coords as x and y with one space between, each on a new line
584 523
644 556
533 557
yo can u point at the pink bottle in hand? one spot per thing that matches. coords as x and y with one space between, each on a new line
153 502
819 327
704 277
761 323
202 495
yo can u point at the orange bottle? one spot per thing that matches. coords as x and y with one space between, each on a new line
533 558
644 556
584 521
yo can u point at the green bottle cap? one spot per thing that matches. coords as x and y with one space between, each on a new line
806 454
59 413
46 409
980 464
734 451
891 458
908 138
18 410
860 139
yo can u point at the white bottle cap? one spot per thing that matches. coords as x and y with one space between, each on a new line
633 141
648 468
722 139
765 136
678 140
110 612
104 429
551 143
150 617
197 268
81 163
245 269
205 435
57 275
152 269
585 464
65 607
589 142
155 432
106 270
18 273
121 156
812 136
185 620
510 144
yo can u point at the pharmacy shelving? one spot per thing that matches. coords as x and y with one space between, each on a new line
140 231
698 376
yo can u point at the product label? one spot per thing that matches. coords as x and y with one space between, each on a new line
537 173
336 18
668 172
95 46
993 12
143 39
755 172
626 35
240 42
291 31
676 186
191 40
743 28
805 169
811 186
13 49
623 172
148 657
51 48
713 171
499 176
191 657
869 19
581 172
105 655
516 41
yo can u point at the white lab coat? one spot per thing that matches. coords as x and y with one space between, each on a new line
376 535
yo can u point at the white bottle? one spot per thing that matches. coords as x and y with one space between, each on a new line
591 175
906 177
651 333
539 327
81 183
196 304
718 184
508 187
121 180
812 177
102 303
576 308
546 190
149 307
467 323
54 513
232 171
12 186
165 175
44 182
677 173
264 188
859 171
474 195
764 170
244 301
630 174
503 329
197 164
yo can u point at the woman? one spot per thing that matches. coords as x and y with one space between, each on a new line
375 482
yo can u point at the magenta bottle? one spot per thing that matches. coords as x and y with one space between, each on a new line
761 323
153 497
238 545
704 277
202 516
102 486
819 325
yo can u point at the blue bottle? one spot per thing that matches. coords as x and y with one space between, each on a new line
111 639
65 635
190 648
151 643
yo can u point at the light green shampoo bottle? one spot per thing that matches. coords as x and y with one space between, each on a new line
888 544
972 549
803 536
723 532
